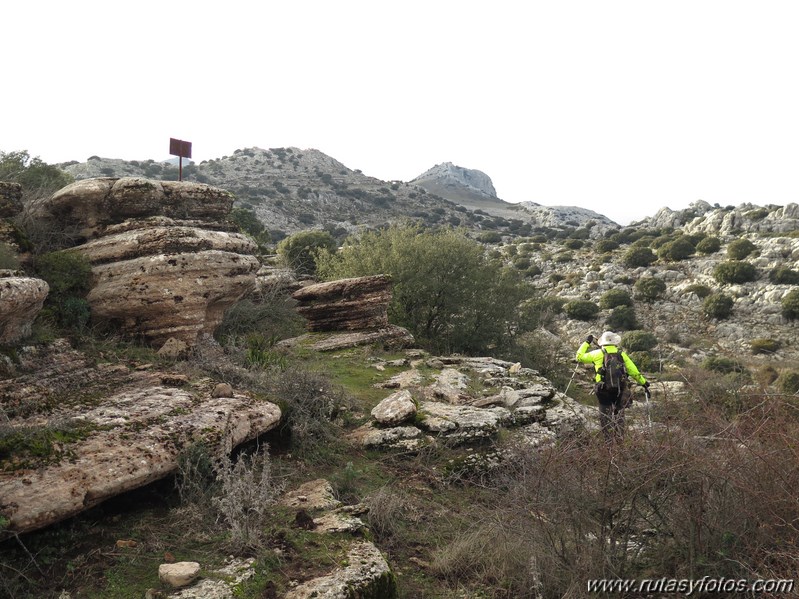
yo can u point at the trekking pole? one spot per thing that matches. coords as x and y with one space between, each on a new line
576 368
648 396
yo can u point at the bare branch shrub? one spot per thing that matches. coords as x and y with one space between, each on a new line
247 490
711 493
310 404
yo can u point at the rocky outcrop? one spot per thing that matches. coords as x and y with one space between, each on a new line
164 263
468 400
121 428
451 175
350 312
91 205
21 299
346 304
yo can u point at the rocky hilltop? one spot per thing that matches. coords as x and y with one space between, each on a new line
290 189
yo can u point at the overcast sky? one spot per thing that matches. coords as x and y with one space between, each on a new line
619 106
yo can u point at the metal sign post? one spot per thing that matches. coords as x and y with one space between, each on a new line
178 147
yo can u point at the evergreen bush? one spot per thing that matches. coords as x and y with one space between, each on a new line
740 249
735 271
650 288
581 309
718 305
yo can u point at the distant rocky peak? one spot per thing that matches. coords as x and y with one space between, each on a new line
447 173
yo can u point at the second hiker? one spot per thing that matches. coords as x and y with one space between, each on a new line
612 366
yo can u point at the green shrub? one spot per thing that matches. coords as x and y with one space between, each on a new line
643 360
740 249
67 273
708 245
614 298
650 288
490 237
248 222
676 250
556 278
764 346
757 213
783 275
300 251
8 257
581 309
605 245
622 318
790 305
718 305
722 364
639 256
639 341
69 276
573 244
521 263
735 271
445 290
563 257
533 271
788 382
701 291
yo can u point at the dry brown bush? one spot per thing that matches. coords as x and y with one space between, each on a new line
709 493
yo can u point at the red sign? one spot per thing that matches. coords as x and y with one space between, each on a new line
178 147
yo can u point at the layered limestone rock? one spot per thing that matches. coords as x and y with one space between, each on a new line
122 428
164 263
21 299
91 205
347 304
165 282
354 312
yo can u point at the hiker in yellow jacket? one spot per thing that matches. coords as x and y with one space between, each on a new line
610 376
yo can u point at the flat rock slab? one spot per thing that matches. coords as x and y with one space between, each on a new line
391 336
395 409
313 495
366 575
139 434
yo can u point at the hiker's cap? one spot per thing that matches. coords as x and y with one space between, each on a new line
609 338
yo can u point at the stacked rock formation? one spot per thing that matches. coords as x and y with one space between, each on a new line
355 309
347 304
164 263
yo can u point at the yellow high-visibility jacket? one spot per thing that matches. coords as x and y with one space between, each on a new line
598 358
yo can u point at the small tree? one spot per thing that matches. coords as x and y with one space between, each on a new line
650 288
300 250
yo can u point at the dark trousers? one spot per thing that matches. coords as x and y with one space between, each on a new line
611 413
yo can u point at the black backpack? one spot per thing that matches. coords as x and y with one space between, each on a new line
614 373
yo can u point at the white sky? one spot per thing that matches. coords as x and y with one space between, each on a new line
619 106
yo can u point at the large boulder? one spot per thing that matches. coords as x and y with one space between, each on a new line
165 282
165 263
21 298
